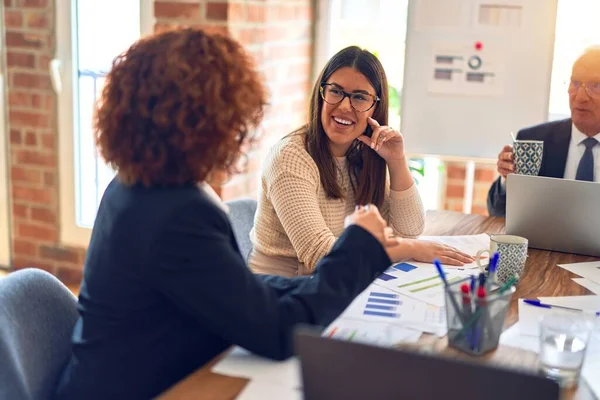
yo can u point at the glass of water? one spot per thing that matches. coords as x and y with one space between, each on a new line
564 338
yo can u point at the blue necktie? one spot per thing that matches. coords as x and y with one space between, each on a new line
585 170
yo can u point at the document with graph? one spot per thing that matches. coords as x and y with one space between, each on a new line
422 283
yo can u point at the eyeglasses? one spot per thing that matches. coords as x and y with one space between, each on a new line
361 102
591 88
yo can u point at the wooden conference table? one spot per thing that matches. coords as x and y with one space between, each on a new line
540 278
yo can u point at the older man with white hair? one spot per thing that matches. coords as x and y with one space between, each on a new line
571 146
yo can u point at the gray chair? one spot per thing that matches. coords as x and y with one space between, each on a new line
241 215
37 316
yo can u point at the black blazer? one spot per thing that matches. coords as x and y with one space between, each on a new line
556 136
165 290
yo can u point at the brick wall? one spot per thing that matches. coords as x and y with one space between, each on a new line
454 194
277 32
32 150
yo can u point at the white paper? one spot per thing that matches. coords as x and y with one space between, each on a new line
436 14
589 270
241 363
513 337
587 303
588 284
380 304
264 390
469 244
374 333
529 318
423 283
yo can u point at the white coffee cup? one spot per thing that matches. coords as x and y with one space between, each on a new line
513 255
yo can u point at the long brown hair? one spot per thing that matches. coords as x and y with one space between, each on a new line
366 169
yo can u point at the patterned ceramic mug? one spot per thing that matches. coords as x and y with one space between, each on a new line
528 156
513 254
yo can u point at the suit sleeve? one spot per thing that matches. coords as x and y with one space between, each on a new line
202 273
496 200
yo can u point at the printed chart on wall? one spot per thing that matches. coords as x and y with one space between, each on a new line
471 68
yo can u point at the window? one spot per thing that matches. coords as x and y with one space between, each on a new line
89 37
576 29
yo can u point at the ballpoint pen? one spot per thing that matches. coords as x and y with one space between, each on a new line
538 303
440 271
491 279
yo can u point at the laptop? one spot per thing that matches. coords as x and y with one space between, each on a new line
335 369
554 214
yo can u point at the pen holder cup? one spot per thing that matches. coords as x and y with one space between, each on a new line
475 325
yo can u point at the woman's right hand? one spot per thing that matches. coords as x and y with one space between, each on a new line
369 218
427 251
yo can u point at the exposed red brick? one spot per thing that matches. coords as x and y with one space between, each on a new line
35 3
36 158
455 172
485 175
28 262
256 12
19 99
217 11
169 10
15 136
25 175
43 215
59 254
455 191
24 60
24 247
20 210
43 196
31 139
70 276
49 179
23 40
36 20
28 119
48 141
13 19
36 232
32 81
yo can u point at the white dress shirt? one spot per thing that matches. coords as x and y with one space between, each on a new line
576 149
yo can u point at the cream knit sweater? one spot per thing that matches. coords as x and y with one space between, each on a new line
296 219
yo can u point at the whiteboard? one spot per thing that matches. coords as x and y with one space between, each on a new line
475 70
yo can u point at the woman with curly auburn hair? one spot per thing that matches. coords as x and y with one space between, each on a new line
165 288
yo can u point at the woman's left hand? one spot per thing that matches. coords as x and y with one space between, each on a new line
386 141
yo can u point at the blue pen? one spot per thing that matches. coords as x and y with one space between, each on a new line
473 284
491 279
538 303
450 295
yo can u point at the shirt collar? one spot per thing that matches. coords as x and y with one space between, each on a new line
578 137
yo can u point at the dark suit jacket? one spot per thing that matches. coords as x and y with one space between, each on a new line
556 136
165 290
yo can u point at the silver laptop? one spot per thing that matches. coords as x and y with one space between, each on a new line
335 369
554 214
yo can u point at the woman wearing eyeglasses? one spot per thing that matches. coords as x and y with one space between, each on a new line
345 156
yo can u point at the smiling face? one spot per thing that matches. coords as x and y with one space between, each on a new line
342 123
585 110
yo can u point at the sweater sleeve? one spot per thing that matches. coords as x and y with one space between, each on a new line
203 275
292 184
404 211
